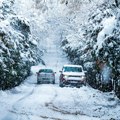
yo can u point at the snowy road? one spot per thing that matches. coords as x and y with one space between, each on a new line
30 101
50 102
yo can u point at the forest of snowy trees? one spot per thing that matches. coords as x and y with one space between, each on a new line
89 33
98 47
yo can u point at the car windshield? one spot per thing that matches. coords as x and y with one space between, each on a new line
72 69
46 71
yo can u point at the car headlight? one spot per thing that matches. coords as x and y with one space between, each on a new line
65 76
83 76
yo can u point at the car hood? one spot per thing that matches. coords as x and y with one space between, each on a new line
74 73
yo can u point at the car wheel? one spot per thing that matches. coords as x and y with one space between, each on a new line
38 82
53 82
85 84
61 84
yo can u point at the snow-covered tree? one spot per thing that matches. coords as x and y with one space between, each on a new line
18 49
98 46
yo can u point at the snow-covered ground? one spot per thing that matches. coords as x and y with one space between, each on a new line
50 102
30 101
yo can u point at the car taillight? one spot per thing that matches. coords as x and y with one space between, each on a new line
53 74
62 77
38 74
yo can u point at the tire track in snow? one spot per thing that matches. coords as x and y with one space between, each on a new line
29 94
40 116
13 110
29 114
52 107
57 109
77 97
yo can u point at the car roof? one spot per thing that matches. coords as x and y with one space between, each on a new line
72 65
45 69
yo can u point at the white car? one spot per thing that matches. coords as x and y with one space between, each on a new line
72 75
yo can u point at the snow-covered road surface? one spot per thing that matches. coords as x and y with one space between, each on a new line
30 101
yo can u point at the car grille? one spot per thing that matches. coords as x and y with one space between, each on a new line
74 76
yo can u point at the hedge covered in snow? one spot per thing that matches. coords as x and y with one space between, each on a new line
18 50
96 46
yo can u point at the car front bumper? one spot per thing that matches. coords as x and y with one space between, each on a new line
74 82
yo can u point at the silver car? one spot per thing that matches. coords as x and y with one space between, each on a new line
46 76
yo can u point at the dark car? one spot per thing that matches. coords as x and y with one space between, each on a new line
72 75
46 76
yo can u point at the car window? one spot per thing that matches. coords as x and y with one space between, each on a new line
72 69
46 71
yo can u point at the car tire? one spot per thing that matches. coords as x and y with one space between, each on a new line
38 82
53 82
61 84
85 84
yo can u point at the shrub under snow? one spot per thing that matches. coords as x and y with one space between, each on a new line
98 46
17 49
